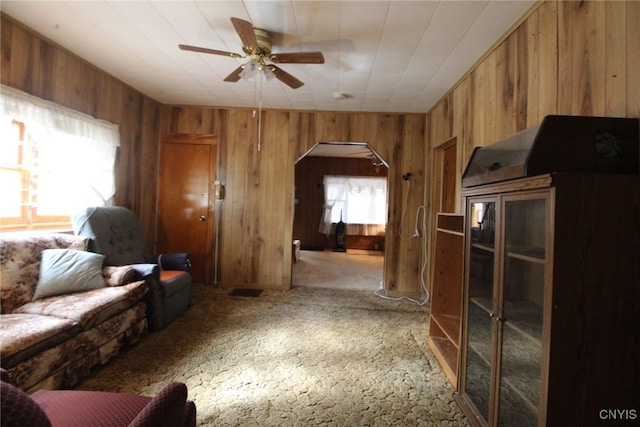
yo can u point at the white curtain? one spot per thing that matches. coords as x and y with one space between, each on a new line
360 202
76 152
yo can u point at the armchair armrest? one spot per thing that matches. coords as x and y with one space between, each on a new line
150 273
174 261
144 271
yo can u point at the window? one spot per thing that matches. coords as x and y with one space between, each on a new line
360 202
53 162
27 189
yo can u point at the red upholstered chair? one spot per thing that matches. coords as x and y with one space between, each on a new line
75 408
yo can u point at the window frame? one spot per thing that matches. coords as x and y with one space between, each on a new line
26 166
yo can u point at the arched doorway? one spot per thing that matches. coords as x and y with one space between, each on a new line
316 263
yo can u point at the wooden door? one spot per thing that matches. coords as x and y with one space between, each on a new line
185 200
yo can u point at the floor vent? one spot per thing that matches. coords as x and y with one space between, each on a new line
241 292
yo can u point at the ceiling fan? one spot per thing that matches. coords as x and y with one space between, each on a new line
257 48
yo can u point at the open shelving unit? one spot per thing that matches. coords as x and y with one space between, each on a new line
446 294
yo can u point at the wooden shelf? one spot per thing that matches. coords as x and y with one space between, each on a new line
447 355
484 247
455 233
450 325
531 254
521 316
483 303
450 222
446 293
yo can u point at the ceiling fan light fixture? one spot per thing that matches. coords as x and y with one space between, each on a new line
339 96
268 74
250 69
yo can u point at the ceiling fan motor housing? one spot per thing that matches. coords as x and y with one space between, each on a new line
264 41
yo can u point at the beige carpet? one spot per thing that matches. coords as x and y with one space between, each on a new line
293 358
339 270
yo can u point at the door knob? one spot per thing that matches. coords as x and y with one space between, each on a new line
202 218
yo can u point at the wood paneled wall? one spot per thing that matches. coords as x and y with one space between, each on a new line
309 197
36 66
569 57
256 217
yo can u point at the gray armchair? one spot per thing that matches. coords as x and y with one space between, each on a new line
116 233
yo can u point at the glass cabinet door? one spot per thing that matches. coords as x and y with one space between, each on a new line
522 292
480 332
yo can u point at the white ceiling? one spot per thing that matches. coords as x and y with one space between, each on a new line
388 56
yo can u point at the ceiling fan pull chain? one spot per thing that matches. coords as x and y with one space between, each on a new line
260 115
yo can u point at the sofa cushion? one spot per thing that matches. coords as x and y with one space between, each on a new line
24 335
88 308
64 271
20 264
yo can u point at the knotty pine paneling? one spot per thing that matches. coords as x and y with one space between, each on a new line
34 65
256 217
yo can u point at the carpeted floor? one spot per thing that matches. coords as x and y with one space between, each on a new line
293 358
340 270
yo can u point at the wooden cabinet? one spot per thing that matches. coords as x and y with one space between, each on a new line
551 297
445 319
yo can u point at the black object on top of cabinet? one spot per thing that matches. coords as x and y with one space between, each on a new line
558 144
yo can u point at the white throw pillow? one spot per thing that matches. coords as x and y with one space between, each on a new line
63 271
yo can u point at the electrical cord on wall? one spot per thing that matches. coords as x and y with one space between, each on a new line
416 234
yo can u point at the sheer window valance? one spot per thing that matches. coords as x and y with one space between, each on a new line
360 202
76 152
56 118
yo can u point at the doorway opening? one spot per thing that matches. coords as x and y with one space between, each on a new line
318 260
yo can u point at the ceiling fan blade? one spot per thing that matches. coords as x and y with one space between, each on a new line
285 77
245 31
206 50
234 76
298 58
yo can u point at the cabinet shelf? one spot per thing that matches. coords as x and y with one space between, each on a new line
523 317
446 293
483 303
526 253
450 325
526 319
446 354
455 233
484 247
524 359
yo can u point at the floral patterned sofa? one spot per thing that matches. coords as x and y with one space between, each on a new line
61 311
